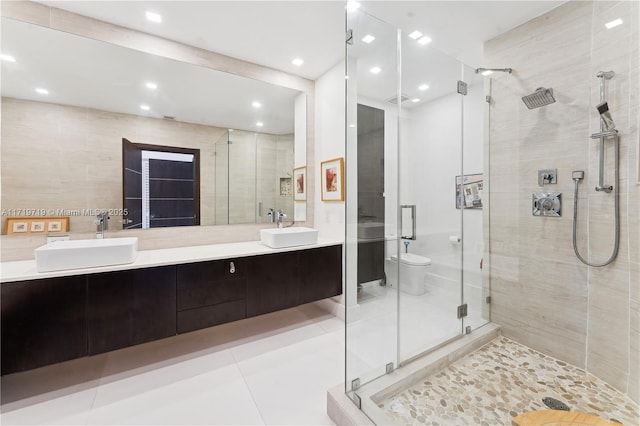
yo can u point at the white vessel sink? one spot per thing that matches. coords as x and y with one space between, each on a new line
288 237
75 254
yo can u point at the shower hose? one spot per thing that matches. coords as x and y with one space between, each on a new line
616 194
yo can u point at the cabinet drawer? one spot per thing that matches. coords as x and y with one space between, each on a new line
204 292
216 270
195 319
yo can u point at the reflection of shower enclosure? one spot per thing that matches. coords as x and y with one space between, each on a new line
252 174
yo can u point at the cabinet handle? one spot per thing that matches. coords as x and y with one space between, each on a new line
232 268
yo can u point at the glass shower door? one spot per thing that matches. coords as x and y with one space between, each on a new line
371 197
431 170
415 145
475 288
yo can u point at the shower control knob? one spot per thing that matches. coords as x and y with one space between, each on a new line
546 204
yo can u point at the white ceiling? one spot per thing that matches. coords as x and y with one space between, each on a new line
272 33
88 73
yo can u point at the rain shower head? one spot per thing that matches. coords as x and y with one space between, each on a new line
539 98
492 70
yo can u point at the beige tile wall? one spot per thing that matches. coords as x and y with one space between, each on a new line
70 158
542 295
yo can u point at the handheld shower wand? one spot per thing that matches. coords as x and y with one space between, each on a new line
607 130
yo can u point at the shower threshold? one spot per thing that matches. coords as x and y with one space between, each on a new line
487 381
342 410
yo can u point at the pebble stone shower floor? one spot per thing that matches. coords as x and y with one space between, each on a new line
500 381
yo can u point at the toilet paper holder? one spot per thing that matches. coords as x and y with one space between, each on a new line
408 222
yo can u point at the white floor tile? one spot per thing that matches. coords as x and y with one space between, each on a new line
132 383
71 409
328 322
219 396
289 384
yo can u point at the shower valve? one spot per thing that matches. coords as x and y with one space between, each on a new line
547 176
547 204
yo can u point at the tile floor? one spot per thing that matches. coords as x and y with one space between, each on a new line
273 369
500 381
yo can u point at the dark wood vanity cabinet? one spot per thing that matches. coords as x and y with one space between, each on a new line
211 293
321 273
273 283
57 319
283 280
43 322
126 308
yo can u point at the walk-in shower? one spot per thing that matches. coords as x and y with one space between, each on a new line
464 131
607 132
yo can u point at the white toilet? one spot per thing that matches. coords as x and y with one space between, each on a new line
413 269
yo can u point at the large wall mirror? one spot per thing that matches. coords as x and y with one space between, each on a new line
69 101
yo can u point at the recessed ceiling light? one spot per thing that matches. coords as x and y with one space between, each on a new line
145 107
614 23
375 70
154 17
487 72
415 35
423 87
352 6
259 124
424 40
415 100
256 104
42 91
231 130
352 125
7 58
368 38
297 62
151 85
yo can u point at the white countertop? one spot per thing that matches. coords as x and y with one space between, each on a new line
23 270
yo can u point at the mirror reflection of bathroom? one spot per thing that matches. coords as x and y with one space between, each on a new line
252 175
103 105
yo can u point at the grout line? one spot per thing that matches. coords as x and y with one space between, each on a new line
246 384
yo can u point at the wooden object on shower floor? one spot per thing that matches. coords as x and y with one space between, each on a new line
560 418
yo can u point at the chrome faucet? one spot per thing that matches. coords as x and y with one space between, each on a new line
279 215
272 215
102 223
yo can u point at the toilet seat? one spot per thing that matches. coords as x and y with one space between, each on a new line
412 259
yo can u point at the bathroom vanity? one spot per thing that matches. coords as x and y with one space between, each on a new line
57 316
